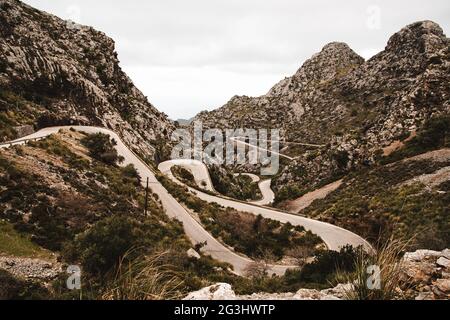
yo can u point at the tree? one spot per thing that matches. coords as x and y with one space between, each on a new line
301 254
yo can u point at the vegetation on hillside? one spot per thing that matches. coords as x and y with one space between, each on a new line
12 288
252 235
375 204
239 187
184 175
91 214
20 245
101 147
15 110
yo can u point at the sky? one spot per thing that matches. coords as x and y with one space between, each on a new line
194 55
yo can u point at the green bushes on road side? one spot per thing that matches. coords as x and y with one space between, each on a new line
102 148
252 235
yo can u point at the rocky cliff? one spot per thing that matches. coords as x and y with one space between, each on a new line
353 107
55 72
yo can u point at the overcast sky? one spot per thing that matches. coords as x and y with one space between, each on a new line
192 55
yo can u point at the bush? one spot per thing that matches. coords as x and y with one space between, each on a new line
131 172
100 248
288 192
184 175
102 148
16 289
239 187
324 267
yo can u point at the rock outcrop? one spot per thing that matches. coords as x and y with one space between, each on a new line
427 274
54 72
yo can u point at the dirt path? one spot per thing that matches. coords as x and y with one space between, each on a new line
306 200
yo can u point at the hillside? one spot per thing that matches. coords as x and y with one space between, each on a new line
355 108
66 200
53 72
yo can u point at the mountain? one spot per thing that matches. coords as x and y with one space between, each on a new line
55 72
355 108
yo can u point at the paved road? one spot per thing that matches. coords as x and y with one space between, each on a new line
333 236
203 179
238 140
268 196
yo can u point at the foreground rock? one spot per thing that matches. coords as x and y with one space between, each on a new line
223 291
425 276
30 269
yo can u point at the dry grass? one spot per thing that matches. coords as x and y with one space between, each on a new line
144 278
389 261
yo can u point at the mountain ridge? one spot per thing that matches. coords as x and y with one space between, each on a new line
355 107
56 72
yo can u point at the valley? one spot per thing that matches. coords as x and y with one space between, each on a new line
339 168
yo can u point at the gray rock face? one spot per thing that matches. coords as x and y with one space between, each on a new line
219 291
60 74
426 275
23 131
352 106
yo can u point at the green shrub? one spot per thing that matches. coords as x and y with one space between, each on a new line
102 148
16 289
288 192
183 175
100 248
324 267
239 187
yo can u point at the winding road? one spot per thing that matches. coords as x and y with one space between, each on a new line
333 236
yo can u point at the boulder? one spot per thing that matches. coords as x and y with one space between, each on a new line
420 255
193 254
443 262
219 291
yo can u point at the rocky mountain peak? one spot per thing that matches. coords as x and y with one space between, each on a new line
335 59
337 48
425 36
